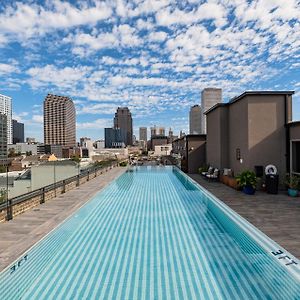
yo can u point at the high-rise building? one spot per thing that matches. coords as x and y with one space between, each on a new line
209 98
3 137
195 119
114 137
157 131
59 121
6 109
123 120
18 132
143 134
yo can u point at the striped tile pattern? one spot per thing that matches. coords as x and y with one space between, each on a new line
148 236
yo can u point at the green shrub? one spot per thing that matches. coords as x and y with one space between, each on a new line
123 164
292 181
203 169
246 178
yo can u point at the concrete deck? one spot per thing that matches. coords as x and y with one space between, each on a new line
19 234
278 216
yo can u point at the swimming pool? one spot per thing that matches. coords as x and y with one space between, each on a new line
153 233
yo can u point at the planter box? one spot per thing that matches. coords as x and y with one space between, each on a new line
230 181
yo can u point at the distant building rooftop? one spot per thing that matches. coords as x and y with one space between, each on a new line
247 93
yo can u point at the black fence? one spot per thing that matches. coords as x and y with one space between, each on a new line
9 203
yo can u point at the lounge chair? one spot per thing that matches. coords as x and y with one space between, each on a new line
214 176
209 172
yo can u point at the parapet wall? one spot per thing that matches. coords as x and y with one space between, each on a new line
20 204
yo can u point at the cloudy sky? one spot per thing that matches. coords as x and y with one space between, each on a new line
154 56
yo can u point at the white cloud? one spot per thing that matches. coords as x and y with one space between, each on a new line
38 119
96 124
27 20
206 11
51 75
158 36
8 68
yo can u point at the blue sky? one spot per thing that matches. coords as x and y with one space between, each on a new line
153 56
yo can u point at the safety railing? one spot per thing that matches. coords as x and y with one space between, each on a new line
7 207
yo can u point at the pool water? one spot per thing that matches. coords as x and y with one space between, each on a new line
151 234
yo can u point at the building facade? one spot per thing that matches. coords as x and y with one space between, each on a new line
250 130
3 138
195 119
6 109
157 131
294 133
18 132
59 121
143 134
114 138
209 98
123 121
191 149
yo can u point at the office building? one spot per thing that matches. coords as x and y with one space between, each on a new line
123 121
209 98
195 119
3 138
6 109
59 121
143 134
157 131
18 132
114 137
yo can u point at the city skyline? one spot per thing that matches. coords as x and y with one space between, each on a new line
152 56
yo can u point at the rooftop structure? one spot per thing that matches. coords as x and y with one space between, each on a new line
250 130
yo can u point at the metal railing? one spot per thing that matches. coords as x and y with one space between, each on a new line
9 203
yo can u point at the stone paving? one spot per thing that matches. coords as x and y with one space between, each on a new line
19 234
278 216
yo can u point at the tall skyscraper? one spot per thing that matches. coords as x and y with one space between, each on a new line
6 109
143 134
59 121
209 98
195 119
123 120
3 137
18 132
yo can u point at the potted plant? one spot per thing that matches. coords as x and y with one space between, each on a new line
292 181
247 181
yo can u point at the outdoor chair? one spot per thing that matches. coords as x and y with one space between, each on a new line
214 176
210 171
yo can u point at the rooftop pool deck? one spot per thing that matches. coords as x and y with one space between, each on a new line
153 233
278 216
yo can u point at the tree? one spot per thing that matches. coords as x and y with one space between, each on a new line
76 158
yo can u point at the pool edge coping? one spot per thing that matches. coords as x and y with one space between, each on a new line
264 241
